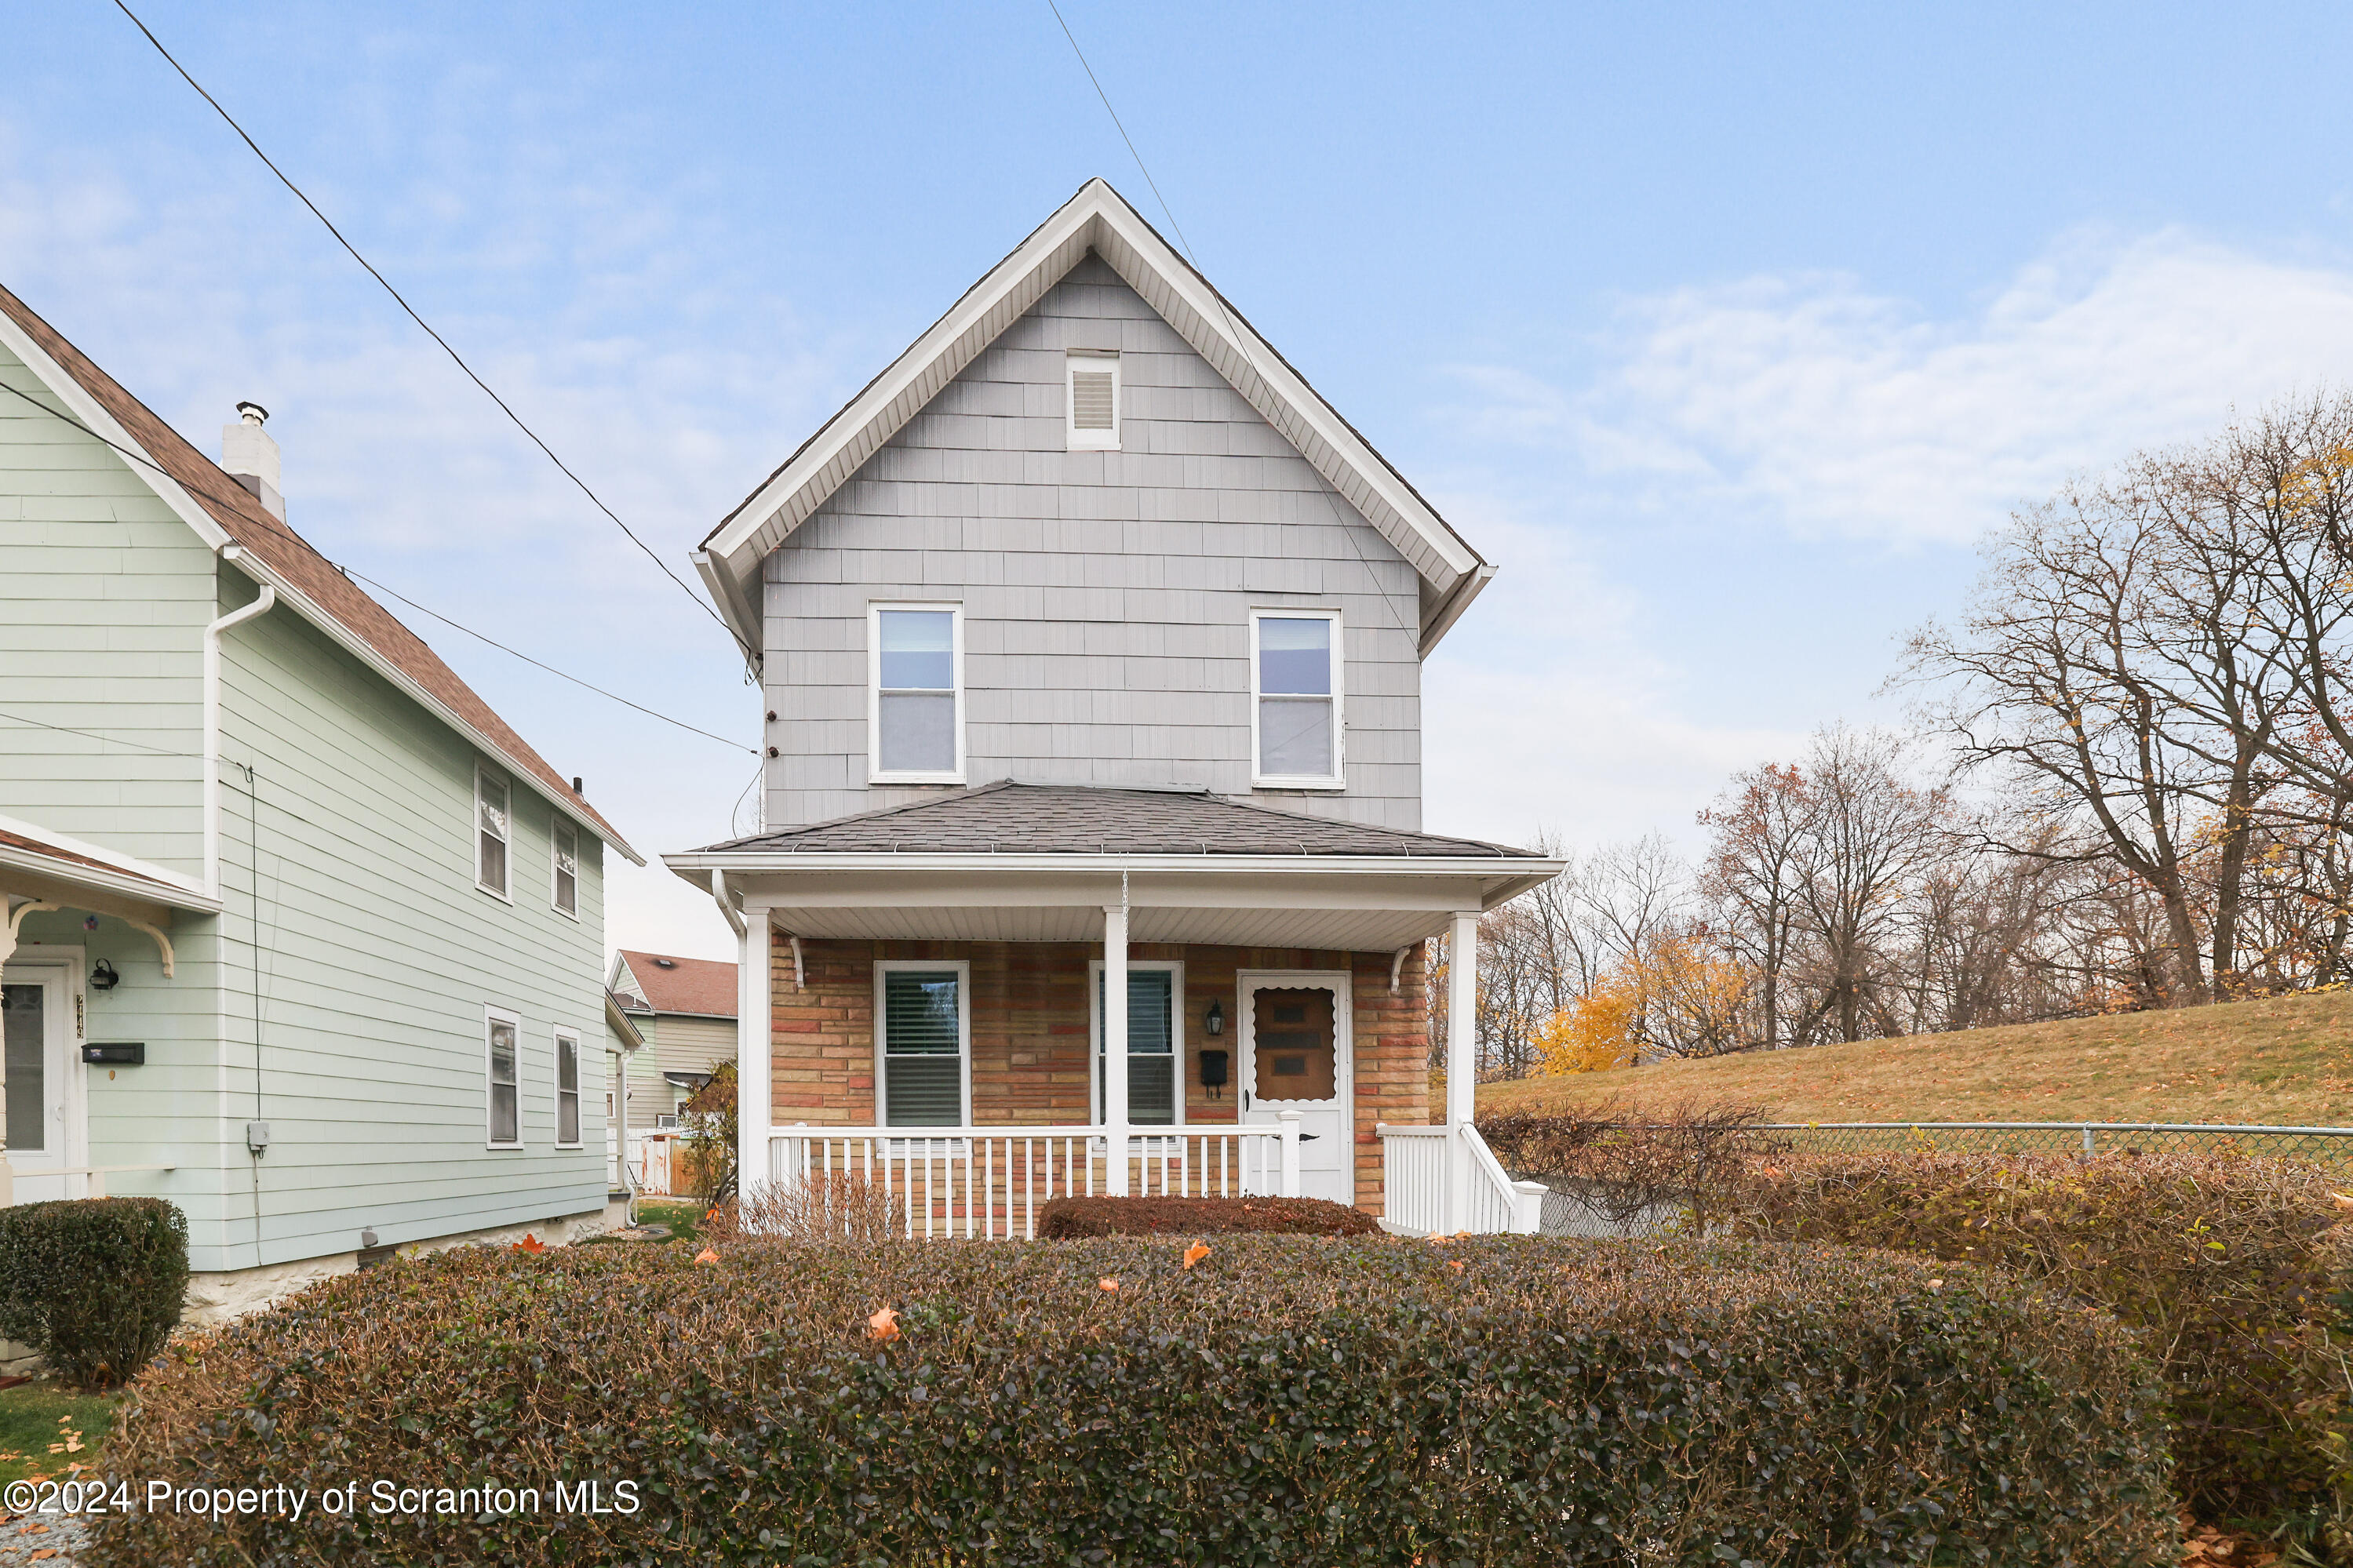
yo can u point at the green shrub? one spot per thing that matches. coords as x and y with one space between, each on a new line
1501 1401
1066 1217
2226 1263
93 1284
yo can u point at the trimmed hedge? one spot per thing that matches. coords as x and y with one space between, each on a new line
93 1284
1066 1217
2228 1263
1505 1402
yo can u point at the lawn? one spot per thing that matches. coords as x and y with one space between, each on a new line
2279 1061
40 1427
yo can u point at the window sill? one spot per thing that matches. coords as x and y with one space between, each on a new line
503 1147
502 898
568 914
883 778
1325 786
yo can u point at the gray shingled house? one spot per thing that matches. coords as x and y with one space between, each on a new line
1091 641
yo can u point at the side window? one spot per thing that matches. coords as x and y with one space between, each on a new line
1155 1064
1093 403
494 832
916 709
502 1073
565 836
1295 698
567 1089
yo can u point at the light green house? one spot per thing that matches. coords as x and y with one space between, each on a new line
299 934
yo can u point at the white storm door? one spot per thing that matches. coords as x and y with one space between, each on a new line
1297 1055
44 1130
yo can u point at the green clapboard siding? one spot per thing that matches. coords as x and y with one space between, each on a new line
341 994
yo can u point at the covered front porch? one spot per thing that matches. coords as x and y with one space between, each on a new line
935 1026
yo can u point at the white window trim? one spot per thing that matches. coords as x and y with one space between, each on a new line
474 838
559 825
514 1021
1176 968
1338 778
1096 360
963 968
874 773
555 1089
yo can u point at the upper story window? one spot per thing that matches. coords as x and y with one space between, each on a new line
567 1088
1295 698
565 838
1094 402
915 712
494 832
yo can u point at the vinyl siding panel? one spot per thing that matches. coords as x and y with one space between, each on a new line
1106 594
358 944
104 595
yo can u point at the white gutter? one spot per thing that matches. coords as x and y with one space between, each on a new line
741 861
726 906
261 606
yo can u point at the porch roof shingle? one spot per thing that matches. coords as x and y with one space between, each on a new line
1010 817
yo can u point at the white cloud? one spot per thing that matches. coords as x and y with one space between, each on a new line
1840 411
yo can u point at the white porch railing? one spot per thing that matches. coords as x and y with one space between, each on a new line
1445 1180
988 1183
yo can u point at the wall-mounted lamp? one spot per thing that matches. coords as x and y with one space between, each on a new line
102 976
1214 1022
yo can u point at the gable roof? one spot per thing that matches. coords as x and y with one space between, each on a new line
1007 817
232 520
666 983
1096 219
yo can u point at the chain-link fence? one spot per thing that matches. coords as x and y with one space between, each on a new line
2333 1145
1582 1206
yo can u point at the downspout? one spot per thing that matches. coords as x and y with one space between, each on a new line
261 606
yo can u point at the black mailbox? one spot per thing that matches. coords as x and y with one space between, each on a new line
1213 1071
115 1053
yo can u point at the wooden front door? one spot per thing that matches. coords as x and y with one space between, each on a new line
1297 1055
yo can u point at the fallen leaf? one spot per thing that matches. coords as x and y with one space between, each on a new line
44 1551
1455 1264
1195 1253
1106 1284
708 1255
2342 1201
883 1325
530 1243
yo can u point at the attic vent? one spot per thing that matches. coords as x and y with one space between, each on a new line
1094 401
665 963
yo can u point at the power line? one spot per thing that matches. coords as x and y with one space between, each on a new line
455 358
537 665
1242 338
145 460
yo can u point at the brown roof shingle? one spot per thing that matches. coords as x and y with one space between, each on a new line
1007 817
291 556
673 984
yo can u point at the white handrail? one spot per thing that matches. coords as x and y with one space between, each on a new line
1444 1180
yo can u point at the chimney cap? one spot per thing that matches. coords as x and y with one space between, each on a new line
253 413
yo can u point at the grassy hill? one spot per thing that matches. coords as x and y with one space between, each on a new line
2287 1060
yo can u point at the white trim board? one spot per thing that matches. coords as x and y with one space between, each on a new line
1096 219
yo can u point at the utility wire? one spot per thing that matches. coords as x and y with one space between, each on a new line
145 461
1241 337
455 358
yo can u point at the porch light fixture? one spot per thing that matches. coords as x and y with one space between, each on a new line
1214 1022
102 976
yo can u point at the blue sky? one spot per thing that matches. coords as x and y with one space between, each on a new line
1726 330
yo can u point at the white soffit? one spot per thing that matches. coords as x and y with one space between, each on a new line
1098 219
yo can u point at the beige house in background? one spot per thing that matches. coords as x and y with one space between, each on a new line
685 1009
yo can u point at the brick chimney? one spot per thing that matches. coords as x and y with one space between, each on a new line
249 455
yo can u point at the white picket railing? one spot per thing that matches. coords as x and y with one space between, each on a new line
988 1183
1444 1180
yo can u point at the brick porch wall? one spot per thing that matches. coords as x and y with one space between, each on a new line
1030 1032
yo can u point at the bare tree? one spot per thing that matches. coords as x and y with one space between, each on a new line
1752 873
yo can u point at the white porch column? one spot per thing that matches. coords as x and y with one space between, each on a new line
1461 1061
1114 1038
754 1018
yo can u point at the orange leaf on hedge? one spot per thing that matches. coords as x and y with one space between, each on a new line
1195 1253
883 1325
708 1255
530 1243
1106 1284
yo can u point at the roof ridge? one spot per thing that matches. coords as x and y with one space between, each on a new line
241 514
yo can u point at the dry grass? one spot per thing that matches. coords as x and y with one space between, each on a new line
2280 1061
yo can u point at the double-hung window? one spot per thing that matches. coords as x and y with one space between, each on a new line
567 1089
500 1031
1295 698
923 1042
1156 1045
1094 384
915 717
493 831
564 835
